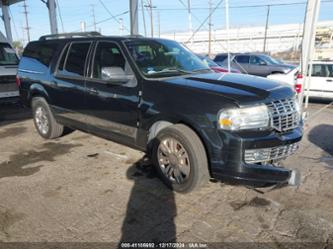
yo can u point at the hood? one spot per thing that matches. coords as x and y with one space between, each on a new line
239 88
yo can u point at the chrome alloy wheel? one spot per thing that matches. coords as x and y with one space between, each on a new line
42 121
173 160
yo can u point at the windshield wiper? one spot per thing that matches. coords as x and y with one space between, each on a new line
171 70
201 70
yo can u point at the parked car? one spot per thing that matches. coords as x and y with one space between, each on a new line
8 69
215 67
154 95
294 78
255 64
321 82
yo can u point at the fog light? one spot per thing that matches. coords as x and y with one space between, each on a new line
259 155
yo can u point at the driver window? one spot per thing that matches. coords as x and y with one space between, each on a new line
109 59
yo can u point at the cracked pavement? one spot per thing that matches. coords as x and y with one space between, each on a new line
80 188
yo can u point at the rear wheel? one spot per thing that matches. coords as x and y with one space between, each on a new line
44 121
180 158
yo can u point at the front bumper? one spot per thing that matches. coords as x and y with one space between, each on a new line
231 167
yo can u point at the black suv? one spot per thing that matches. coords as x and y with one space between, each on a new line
156 96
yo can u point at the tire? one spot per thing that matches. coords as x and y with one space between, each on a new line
194 159
48 128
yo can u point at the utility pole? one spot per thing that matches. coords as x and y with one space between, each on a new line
190 28
51 5
134 17
121 26
143 18
210 29
266 27
93 16
83 26
151 7
27 27
227 28
159 24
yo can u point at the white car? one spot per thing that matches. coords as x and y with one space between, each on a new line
321 82
293 78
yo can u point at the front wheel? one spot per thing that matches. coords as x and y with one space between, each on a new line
180 158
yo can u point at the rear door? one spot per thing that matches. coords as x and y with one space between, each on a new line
328 83
112 102
69 83
317 81
242 62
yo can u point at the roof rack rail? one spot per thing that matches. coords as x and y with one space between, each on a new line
69 35
134 36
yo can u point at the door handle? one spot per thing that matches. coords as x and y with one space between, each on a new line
329 80
93 91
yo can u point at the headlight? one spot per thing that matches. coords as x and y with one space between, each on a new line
244 118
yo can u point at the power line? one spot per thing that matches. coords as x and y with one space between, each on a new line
112 16
27 27
93 16
243 6
203 23
105 20
60 17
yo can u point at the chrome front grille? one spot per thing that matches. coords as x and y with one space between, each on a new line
284 114
270 154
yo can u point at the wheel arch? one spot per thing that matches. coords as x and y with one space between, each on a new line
161 124
37 90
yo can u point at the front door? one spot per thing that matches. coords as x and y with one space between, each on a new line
112 94
258 66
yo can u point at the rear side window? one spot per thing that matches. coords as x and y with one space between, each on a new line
42 52
319 70
73 62
322 70
243 59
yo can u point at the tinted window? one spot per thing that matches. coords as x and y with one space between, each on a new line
220 57
330 70
42 52
76 59
322 70
319 70
63 58
242 58
108 55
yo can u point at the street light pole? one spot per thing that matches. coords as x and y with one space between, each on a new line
227 29
266 27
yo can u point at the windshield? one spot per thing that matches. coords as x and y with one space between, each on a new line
271 60
7 55
163 58
209 62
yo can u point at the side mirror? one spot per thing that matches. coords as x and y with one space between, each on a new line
114 75
262 63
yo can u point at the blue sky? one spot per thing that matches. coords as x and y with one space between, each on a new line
172 13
